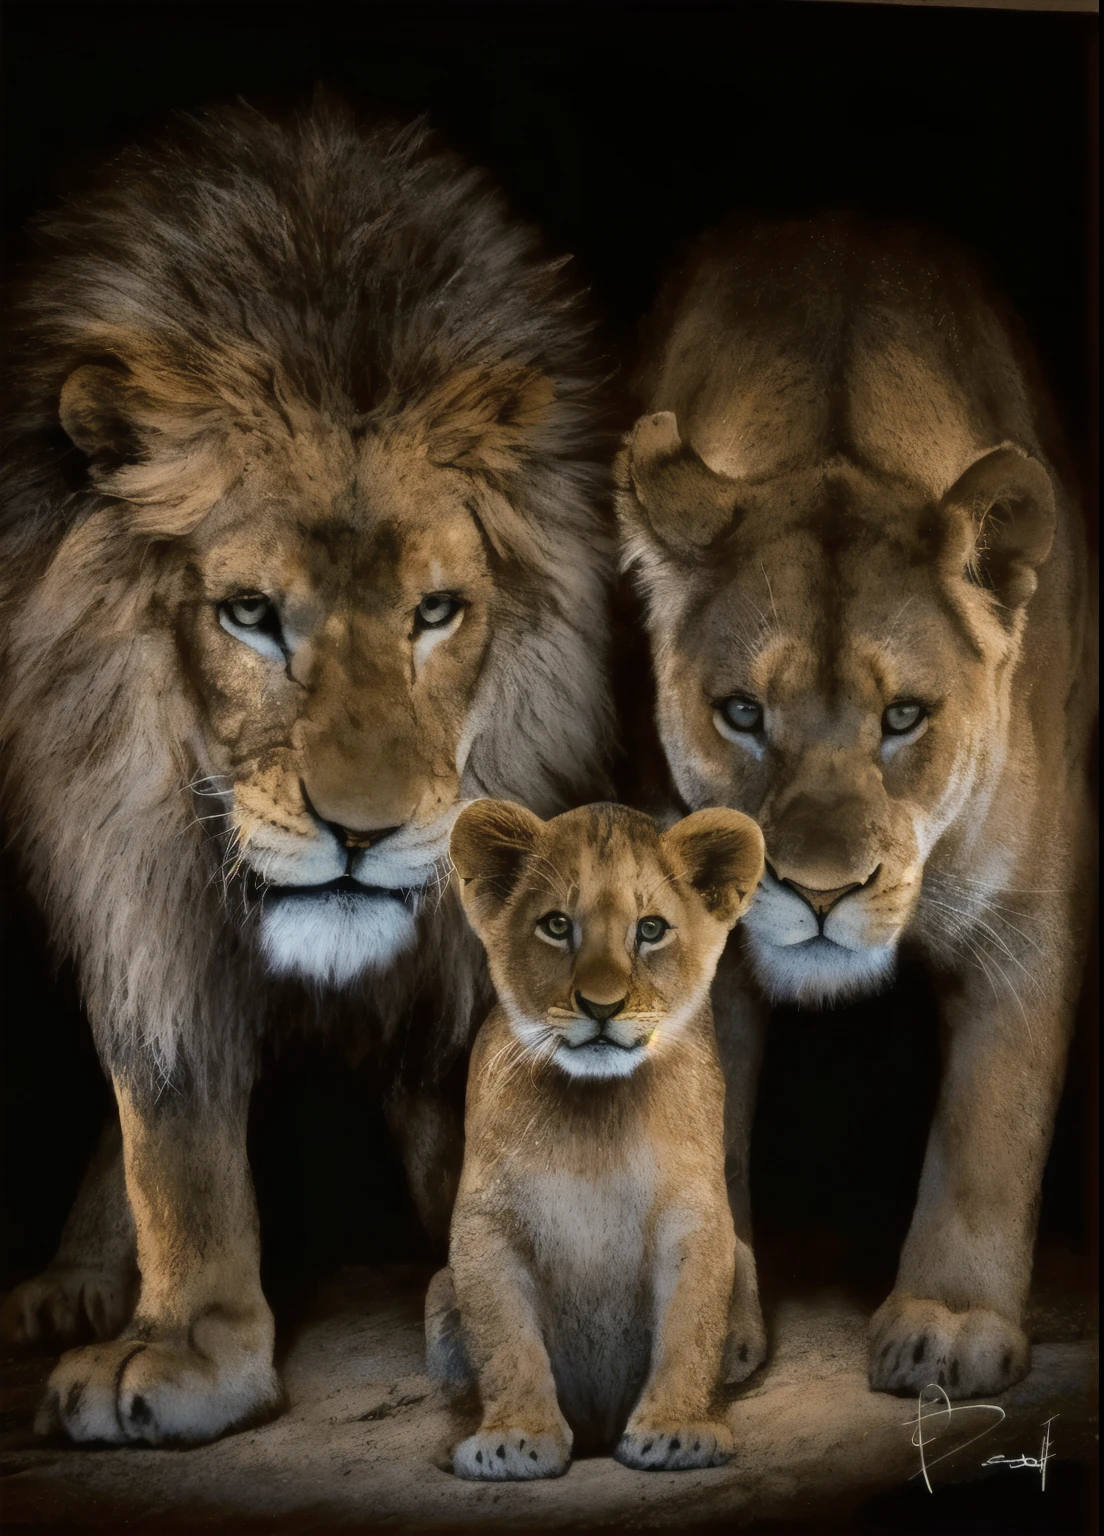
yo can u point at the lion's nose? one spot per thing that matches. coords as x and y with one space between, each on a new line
599 1012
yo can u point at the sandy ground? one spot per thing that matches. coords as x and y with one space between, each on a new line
366 1436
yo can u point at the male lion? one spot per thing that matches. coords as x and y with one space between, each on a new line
302 547
869 609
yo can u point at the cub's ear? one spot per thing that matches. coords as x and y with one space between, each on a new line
720 853
668 491
1002 511
488 418
489 843
150 440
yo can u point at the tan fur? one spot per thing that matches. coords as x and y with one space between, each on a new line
841 498
592 1252
326 367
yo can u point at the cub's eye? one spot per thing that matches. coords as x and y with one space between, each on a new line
555 925
250 612
741 713
650 929
902 717
437 609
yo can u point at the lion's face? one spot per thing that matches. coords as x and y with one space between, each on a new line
602 933
832 669
335 646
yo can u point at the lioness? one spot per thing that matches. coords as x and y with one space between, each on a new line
301 547
592 1251
868 601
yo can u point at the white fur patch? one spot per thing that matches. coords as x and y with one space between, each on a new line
335 936
601 1058
794 963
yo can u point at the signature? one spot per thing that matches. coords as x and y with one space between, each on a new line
941 1407
1034 1463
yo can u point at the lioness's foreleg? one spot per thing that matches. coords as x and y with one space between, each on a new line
740 1021
522 1433
954 1317
196 1359
674 1424
90 1284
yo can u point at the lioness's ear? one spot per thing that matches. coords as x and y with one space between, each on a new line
490 840
487 418
1004 507
720 853
669 491
150 441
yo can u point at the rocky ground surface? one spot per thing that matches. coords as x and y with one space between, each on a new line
366 1437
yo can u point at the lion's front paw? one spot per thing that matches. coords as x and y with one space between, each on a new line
64 1305
671 1448
511 1455
915 1343
133 1392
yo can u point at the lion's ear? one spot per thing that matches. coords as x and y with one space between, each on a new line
149 441
490 841
488 418
1004 513
720 853
669 491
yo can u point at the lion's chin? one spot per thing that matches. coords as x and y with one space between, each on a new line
334 937
818 973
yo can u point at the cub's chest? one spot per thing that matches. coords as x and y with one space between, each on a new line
596 1225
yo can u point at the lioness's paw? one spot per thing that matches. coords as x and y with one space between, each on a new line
63 1306
132 1392
672 1449
916 1343
510 1455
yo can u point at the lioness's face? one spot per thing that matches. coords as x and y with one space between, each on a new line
834 674
602 933
335 611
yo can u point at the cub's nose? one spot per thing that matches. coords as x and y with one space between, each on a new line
600 1012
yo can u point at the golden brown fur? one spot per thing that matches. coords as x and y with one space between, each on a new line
302 546
869 611
592 1250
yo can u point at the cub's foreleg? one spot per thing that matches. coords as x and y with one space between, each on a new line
522 1433
954 1317
740 1023
196 1360
89 1286
674 1424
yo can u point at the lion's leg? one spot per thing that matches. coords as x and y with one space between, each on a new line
89 1286
740 1021
196 1360
954 1316
430 1135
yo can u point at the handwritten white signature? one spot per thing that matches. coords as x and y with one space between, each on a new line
928 1408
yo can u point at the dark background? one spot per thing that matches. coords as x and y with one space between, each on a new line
622 132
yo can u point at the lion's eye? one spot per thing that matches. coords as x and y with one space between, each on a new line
250 612
555 925
650 929
437 609
902 717
741 713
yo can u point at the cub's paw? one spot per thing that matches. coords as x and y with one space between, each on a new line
447 1357
132 1392
65 1305
915 1343
670 1449
745 1348
511 1455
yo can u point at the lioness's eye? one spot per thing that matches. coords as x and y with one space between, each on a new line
902 717
650 929
556 925
437 609
742 713
250 612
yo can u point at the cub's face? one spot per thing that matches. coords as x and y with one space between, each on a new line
602 933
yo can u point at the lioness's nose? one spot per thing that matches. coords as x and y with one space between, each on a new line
351 839
822 902
600 1012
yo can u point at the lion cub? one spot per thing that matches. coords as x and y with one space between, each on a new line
592 1249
